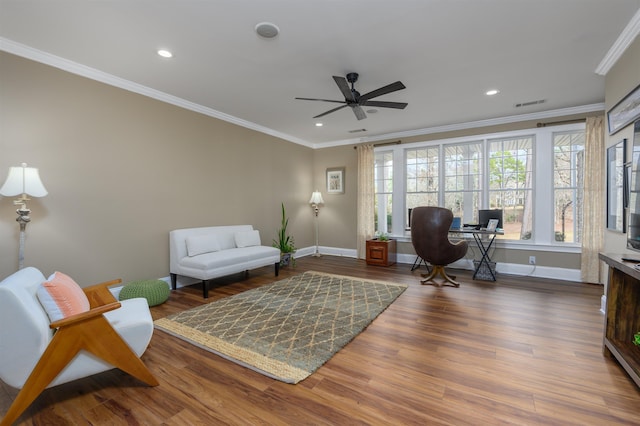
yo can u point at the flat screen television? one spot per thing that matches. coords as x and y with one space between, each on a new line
633 229
485 215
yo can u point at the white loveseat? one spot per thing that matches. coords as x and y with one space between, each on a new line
215 251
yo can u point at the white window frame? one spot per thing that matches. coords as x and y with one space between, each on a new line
543 236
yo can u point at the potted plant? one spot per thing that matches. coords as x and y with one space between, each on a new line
285 242
381 236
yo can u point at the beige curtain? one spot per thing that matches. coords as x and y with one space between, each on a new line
593 205
365 208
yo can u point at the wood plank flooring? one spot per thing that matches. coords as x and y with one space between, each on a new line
522 351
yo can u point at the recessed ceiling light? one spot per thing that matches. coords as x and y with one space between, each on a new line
492 92
319 124
165 53
372 111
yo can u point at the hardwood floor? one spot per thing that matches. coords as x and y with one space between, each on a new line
520 351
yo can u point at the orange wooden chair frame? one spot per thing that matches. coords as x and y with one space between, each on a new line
90 331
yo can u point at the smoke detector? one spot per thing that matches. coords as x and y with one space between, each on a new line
267 30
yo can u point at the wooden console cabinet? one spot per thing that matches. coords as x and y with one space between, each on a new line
622 316
382 253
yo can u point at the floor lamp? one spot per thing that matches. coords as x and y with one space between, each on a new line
315 201
23 181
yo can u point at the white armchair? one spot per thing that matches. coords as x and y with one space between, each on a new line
37 354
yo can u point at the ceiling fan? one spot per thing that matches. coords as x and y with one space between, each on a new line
353 98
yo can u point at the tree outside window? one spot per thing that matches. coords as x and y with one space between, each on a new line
422 178
510 184
463 180
568 180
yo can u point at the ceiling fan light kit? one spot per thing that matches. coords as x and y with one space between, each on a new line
354 100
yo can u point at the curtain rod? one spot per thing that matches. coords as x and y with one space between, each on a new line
398 142
558 123
551 123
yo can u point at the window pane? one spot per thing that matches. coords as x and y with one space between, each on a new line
383 202
511 184
422 174
463 179
461 202
568 163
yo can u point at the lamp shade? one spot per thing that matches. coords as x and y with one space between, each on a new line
23 180
316 198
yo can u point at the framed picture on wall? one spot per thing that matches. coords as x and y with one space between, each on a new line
335 180
616 186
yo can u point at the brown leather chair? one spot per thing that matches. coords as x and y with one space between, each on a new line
430 237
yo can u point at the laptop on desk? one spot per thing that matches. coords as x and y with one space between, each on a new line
485 215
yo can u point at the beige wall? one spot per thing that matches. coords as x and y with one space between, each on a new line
623 77
337 218
122 170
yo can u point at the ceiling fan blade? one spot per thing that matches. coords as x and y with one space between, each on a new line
382 104
323 100
344 88
330 111
383 91
359 112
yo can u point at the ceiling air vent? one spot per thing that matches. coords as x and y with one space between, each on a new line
357 130
530 103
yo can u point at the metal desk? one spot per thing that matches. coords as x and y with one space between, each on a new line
483 245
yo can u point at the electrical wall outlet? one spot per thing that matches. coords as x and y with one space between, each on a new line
532 260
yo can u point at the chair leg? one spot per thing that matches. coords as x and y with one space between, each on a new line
439 270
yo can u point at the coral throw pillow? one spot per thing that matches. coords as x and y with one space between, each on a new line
61 297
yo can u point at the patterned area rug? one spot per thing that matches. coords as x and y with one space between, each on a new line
288 329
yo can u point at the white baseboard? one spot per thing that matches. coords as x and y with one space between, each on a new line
504 268
511 269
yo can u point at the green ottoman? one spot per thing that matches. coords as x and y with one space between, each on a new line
155 291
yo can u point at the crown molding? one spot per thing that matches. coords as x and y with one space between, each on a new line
103 77
554 113
624 40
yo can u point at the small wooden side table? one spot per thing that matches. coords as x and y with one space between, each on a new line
381 253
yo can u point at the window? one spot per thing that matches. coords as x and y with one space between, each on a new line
422 172
383 178
533 175
463 180
511 184
568 163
